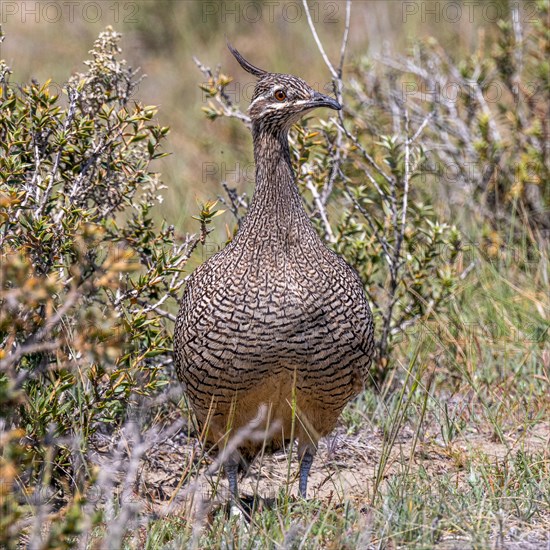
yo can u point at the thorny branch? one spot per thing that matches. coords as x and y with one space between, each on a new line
336 153
37 341
181 255
234 201
398 208
223 101
73 98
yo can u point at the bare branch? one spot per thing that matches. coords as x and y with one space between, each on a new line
386 246
329 235
26 349
345 37
331 68
369 159
421 127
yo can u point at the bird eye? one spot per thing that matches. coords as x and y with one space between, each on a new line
280 95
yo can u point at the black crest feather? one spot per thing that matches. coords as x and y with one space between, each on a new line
248 67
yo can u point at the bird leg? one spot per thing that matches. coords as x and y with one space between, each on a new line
305 465
231 471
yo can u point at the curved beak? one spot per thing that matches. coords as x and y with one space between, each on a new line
320 100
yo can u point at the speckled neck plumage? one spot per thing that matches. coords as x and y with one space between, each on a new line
276 205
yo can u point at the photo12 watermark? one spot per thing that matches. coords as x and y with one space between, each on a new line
455 92
468 11
271 12
69 12
471 332
467 170
232 173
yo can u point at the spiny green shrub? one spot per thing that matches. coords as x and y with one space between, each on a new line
85 273
489 120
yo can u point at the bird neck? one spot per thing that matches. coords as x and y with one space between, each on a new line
276 205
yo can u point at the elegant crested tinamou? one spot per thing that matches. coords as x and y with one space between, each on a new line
274 331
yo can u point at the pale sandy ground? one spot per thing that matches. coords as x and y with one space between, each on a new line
344 469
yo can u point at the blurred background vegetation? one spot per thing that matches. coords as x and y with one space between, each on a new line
162 37
99 204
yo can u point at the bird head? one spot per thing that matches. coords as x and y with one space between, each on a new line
280 100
